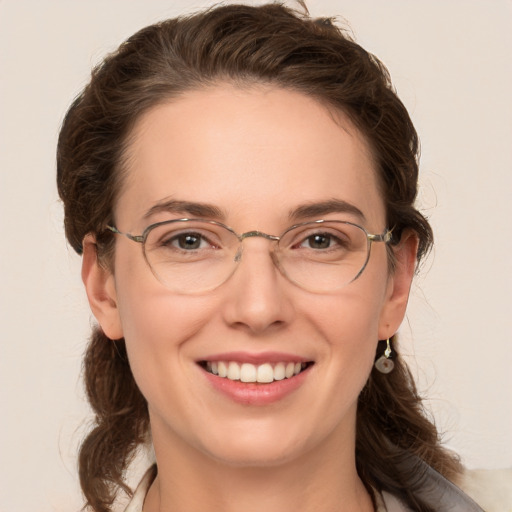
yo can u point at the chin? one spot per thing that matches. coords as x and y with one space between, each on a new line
253 457
257 447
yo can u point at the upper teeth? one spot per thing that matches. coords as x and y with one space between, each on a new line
247 372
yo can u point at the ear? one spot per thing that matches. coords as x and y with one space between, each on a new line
100 288
399 285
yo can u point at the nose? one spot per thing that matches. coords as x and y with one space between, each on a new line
258 296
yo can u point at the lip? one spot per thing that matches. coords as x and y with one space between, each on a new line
256 358
256 394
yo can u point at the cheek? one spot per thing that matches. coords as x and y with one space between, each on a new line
156 320
159 328
352 317
349 325
156 323
149 312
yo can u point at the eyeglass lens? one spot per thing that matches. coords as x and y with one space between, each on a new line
196 256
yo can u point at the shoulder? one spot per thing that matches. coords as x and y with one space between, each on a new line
473 490
490 488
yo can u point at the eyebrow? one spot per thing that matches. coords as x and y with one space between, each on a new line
203 210
322 208
302 212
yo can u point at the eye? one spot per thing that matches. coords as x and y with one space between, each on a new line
324 241
318 241
188 241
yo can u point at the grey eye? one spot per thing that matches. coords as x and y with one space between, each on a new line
318 241
188 241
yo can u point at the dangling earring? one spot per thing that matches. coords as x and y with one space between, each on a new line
384 363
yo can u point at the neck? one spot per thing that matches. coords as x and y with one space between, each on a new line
322 480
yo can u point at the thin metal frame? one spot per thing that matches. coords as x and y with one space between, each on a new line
383 237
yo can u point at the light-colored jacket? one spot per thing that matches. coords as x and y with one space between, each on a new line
490 488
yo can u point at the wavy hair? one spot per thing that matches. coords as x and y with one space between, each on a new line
269 44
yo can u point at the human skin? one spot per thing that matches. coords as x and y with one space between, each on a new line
256 153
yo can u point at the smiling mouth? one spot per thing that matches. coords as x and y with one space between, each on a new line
265 373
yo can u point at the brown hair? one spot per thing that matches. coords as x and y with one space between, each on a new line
267 44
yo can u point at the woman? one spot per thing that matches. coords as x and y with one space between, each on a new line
241 184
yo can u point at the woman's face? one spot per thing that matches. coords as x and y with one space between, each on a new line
249 158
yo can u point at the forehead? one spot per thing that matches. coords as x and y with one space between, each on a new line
254 152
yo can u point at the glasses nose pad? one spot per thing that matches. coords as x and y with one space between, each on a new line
277 263
238 255
273 255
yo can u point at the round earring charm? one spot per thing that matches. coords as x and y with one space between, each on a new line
384 365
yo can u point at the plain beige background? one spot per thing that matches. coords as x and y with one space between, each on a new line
451 63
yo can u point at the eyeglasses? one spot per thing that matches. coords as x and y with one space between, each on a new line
193 256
